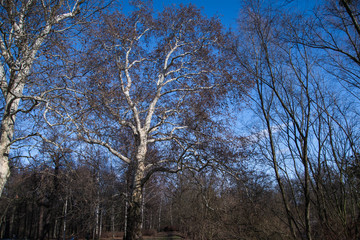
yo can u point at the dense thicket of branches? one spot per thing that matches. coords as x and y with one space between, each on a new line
39 202
132 119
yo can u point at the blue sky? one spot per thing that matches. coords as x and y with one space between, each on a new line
227 10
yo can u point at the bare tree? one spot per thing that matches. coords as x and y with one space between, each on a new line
284 76
153 92
334 30
308 129
25 27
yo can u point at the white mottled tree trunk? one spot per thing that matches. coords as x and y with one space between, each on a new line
134 226
7 131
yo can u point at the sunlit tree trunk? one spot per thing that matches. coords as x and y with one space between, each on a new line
97 207
7 130
134 217
65 218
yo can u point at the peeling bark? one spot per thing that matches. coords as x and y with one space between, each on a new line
134 221
7 133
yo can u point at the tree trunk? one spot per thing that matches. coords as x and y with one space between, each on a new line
11 225
8 126
159 222
97 210
142 208
307 197
133 230
126 214
65 216
3 223
112 220
41 223
101 224
134 220
7 133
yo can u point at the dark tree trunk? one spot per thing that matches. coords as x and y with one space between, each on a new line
133 230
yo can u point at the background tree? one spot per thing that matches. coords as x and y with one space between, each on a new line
25 28
299 111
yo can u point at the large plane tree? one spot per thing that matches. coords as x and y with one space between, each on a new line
155 86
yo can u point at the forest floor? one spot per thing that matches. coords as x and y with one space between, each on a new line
156 236
150 238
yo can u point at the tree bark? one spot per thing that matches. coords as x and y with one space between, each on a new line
4 165
7 133
134 220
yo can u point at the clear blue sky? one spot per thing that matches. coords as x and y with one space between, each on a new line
227 10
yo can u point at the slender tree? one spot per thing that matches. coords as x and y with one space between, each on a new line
308 127
284 76
334 30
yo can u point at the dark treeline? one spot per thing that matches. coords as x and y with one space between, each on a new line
46 202
135 122
89 200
